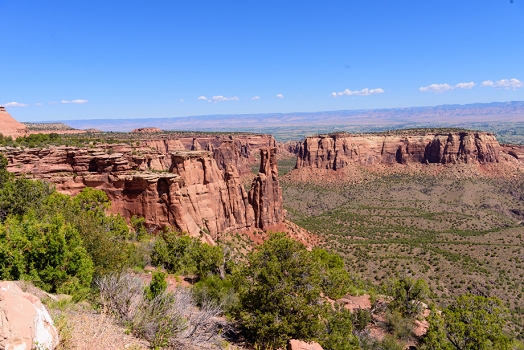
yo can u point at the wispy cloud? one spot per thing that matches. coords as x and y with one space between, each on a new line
181 100
38 104
53 103
78 102
280 96
465 85
363 92
504 83
255 98
218 98
222 98
440 88
15 104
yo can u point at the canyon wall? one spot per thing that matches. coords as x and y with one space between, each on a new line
337 151
198 191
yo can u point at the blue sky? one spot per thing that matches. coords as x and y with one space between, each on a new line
73 59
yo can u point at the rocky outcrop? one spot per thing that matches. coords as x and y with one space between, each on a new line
146 130
516 151
190 190
266 191
340 150
302 345
9 126
25 323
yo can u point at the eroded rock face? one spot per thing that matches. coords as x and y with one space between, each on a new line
190 190
266 191
24 322
340 150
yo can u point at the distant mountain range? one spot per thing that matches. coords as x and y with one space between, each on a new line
430 116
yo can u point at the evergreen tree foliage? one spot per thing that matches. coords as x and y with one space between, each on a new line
471 322
48 253
280 297
179 253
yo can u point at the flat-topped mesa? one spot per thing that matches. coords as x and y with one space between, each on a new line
340 150
183 189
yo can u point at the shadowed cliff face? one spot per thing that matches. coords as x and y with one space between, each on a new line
189 190
338 151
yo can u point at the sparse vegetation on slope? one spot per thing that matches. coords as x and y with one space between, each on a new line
459 234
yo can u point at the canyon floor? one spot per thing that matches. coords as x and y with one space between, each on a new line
460 233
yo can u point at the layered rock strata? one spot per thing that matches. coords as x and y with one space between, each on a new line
340 150
189 190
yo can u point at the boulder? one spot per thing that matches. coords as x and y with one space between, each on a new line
24 321
301 345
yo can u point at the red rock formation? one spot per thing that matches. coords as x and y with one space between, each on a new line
9 126
239 149
146 130
184 189
266 191
302 345
340 150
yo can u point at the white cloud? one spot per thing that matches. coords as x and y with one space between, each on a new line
222 98
465 85
440 88
78 102
280 96
38 104
363 92
181 100
436 88
53 103
15 104
504 83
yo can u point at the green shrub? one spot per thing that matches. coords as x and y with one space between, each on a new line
219 291
470 322
157 286
20 195
279 297
105 237
401 327
48 253
407 295
336 281
337 334
360 319
181 254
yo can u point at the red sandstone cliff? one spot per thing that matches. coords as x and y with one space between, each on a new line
9 126
340 150
265 189
184 189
